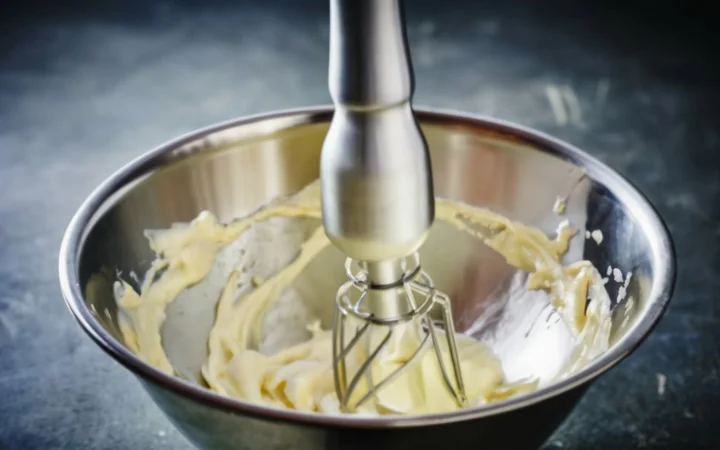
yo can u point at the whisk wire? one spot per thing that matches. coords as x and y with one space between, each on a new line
338 344
444 301
362 371
414 358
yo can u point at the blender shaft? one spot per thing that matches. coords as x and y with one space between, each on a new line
376 181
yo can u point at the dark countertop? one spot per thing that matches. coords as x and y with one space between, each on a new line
85 88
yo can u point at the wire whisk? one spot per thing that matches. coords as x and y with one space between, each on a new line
420 297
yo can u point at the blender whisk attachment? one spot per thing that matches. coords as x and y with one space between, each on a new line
378 203
413 298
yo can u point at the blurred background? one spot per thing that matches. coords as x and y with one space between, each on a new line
85 86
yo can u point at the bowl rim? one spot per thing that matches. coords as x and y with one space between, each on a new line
76 233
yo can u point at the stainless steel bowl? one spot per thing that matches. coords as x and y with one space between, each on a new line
232 168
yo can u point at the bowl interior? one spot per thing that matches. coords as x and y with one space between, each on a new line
233 169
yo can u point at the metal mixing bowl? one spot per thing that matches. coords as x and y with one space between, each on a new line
233 168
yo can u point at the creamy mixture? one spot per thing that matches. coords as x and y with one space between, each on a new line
300 376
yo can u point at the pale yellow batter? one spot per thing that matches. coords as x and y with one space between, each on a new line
300 377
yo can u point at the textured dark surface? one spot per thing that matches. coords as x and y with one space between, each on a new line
85 88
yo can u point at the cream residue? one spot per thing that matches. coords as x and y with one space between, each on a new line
300 377
595 235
